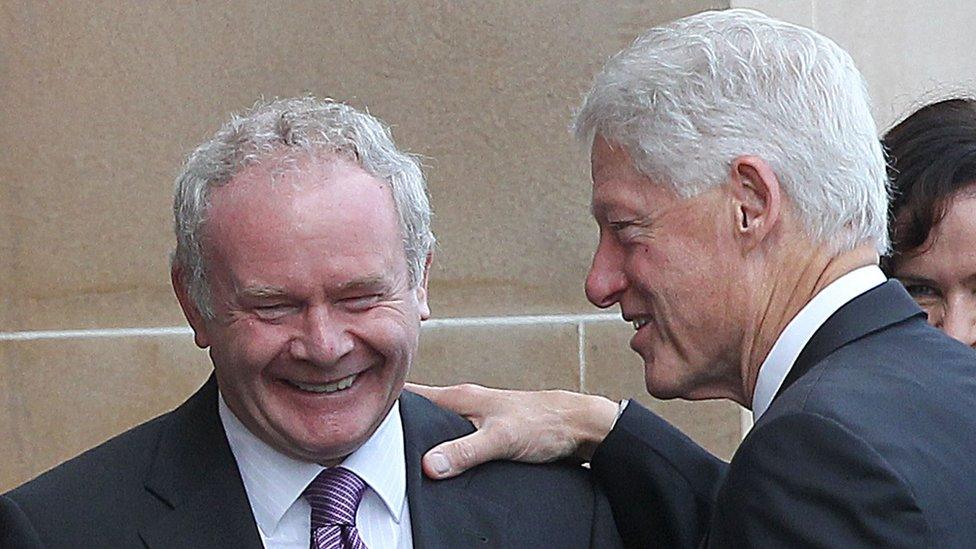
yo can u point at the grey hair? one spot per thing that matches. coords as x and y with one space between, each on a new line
296 125
687 98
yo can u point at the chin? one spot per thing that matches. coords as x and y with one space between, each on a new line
658 383
662 392
330 456
661 389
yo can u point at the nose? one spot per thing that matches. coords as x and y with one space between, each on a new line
959 320
606 280
323 339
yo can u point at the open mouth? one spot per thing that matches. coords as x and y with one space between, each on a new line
640 322
334 387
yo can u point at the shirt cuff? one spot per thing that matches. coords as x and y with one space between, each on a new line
620 411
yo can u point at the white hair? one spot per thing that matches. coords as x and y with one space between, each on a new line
303 124
687 98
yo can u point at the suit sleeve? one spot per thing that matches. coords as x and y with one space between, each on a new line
803 480
16 531
603 532
660 484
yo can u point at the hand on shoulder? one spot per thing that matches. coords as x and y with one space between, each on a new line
526 426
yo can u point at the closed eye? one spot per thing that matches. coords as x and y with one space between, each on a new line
274 311
361 302
628 229
618 226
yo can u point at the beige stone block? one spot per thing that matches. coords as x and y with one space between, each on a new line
799 12
909 52
60 397
614 370
101 100
518 357
12 451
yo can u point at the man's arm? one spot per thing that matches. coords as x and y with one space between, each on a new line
604 533
533 427
661 485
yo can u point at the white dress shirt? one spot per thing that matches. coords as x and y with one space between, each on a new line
798 332
274 483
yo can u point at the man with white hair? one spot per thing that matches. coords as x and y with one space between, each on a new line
739 188
303 243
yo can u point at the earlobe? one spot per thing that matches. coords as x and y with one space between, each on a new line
190 311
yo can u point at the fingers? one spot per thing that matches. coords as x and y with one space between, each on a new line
429 392
466 400
454 457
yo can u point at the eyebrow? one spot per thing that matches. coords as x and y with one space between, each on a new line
261 291
365 282
914 279
599 205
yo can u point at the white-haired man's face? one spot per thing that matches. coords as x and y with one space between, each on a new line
316 323
670 263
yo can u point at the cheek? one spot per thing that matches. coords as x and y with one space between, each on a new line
641 264
254 344
389 332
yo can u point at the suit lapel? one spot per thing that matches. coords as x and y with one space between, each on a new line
195 474
869 312
447 513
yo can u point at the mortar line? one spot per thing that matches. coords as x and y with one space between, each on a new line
95 333
581 341
483 321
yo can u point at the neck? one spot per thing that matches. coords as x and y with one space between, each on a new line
783 292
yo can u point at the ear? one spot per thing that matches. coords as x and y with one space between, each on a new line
422 290
190 311
756 198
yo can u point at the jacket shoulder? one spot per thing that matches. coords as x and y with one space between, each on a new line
85 496
555 504
111 463
426 425
907 394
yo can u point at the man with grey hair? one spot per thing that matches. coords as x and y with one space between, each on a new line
739 188
303 245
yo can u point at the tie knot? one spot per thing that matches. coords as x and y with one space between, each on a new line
334 496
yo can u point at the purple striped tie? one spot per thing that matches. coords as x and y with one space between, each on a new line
334 496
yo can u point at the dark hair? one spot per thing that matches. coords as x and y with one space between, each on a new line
931 157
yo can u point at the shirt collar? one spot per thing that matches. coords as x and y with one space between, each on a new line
274 481
798 332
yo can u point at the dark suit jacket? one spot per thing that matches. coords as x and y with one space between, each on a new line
173 483
871 442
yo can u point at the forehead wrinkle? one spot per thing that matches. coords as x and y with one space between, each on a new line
616 194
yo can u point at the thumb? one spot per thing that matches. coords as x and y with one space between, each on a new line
454 457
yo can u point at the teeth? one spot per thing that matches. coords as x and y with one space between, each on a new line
340 385
640 322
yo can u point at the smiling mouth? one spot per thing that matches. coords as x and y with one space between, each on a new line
640 322
321 388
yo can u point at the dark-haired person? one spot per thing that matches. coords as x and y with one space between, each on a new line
933 225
